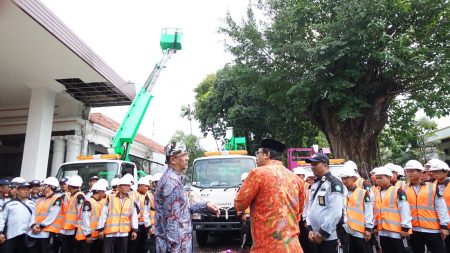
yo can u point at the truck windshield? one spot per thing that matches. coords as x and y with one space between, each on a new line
220 172
106 170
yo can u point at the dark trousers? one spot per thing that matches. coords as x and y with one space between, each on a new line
97 246
41 246
82 247
115 244
138 245
358 245
55 243
15 245
151 244
308 247
328 247
392 245
432 240
447 244
68 243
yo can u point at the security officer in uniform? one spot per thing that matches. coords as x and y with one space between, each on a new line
327 201
35 190
16 217
4 192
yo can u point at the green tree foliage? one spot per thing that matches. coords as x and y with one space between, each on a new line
341 64
232 98
405 139
192 144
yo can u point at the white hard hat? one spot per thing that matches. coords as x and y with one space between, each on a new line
144 181
244 176
383 171
157 176
115 182
18 180
438 165
103 181
52 181
309 174
350 165
129 177
389 166
432 161
149 178
413 164
99 186
348 172
299 171
124 181
374 170
75 181
399 170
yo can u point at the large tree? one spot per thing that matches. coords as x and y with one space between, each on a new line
343 63
232 98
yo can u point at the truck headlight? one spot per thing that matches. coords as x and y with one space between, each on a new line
196 216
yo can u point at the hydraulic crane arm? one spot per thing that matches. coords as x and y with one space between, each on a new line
129 127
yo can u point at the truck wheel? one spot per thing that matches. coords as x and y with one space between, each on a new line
202 238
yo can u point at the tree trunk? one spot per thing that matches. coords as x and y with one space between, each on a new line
355 139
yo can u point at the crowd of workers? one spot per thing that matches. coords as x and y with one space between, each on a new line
400 209
56 216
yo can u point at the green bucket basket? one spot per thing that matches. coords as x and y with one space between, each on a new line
171 38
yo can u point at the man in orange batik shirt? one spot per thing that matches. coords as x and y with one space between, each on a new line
276 197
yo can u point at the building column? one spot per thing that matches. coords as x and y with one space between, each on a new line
59 149
39 129
73 147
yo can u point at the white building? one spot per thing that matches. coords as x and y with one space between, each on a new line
441 140
49 80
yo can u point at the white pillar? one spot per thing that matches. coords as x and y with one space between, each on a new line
39 130
59 149
73 147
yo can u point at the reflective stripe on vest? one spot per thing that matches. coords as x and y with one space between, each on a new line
400 184
71 216
96 209
119 215
140 201
359 182
388 217
43 210
423 211
355 210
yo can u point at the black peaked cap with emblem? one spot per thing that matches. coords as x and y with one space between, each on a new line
273 144
318 158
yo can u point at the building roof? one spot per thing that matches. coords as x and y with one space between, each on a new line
109 123
84 74
440 135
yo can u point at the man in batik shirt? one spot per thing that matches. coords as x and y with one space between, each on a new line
173 228
276 197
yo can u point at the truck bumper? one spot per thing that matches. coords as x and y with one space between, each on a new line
216 226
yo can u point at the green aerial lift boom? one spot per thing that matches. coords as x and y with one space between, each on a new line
170 43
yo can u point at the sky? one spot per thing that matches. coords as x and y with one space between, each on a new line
126 34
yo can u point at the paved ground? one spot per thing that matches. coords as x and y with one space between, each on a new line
219 243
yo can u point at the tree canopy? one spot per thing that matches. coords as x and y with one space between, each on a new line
338 64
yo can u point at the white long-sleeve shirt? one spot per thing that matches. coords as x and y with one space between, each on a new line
16 217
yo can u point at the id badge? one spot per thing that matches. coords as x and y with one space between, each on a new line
322 200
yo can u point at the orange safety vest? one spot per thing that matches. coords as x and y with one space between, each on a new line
359 182
388 217
355 210
139 199
446 195
72 214
423 211
400 184
96 210
43 210
59 221
119 215
152 209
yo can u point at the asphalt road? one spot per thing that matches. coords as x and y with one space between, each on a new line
219 243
